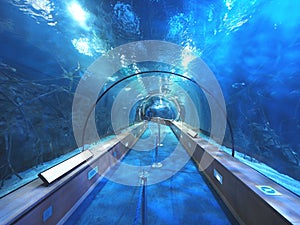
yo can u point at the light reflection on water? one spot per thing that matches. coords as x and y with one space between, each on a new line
37 9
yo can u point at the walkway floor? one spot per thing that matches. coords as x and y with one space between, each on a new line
184 198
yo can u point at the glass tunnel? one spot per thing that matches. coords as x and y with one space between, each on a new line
149 112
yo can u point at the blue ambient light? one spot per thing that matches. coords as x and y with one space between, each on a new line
78 13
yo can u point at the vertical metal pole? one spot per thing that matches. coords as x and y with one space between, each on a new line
156 150
156 164
158 134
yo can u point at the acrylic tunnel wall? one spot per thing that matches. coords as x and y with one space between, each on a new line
142 96
48 47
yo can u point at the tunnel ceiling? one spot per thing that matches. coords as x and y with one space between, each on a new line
251 46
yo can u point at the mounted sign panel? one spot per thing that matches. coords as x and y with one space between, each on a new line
218 176
64 167
93 173
268 190
47 213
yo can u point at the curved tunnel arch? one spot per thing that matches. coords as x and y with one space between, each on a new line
159 106
163 72
139 110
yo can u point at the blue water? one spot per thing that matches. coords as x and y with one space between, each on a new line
185 198
251 46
